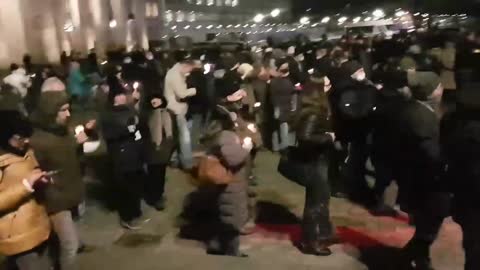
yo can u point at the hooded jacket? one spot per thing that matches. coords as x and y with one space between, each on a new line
56 149
24 222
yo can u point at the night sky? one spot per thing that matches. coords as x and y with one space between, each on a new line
323 6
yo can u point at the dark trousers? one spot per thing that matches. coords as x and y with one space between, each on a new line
129 190
225 241
428 211
384 172
335 168
35 259
316 216
155 183
469 219
358 189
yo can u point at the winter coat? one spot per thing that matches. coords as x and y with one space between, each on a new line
198 103
233 198
124 139
227 84
282 93
352 107
417 153
56 149
77 84
24 222
311 129
176 91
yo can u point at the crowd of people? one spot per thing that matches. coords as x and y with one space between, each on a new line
405 109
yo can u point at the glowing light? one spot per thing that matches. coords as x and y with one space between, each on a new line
378 13
326 19
400 13
258 18
186 27
199 27
367 19
275 13
357 20
342 20
112 23
304 20
210 26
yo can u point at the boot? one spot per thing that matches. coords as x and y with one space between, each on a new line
316 248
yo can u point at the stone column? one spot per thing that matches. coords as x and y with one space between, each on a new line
100 21
12 32
120 13
139 12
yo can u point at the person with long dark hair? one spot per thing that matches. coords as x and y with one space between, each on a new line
315 139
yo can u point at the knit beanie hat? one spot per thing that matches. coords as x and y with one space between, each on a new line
423 84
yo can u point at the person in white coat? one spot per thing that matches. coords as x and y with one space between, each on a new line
176 93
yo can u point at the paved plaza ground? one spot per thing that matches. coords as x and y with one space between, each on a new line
369 242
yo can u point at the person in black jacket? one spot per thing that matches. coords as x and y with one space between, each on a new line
124 145
315 139
418 168
156 127
353 101
391 100
460 138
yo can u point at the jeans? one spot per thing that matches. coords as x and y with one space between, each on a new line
66 231
316 225
281 138
129 195
197 126
185 142
155 183
35 259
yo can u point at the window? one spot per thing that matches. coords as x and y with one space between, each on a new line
169 16
210 2
191 17
180 16
199 2
234 3
228 3
151 9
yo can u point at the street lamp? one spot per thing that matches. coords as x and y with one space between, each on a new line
258 18
304 20
326 19
378 13
400 13
342 20
275 13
